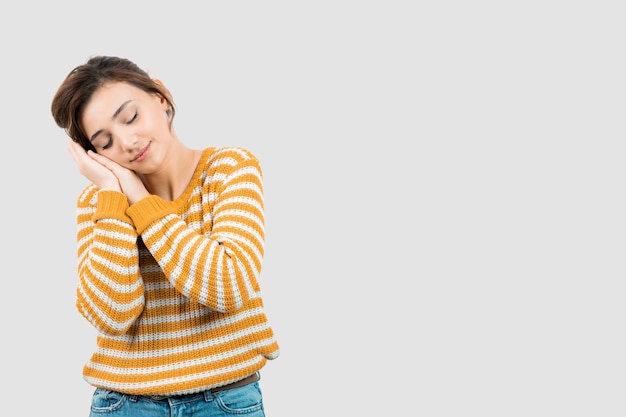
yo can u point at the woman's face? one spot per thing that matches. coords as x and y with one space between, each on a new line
128 126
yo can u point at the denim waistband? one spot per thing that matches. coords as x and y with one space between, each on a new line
207 394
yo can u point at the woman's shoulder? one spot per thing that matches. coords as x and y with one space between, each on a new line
225 162
225 156
235 152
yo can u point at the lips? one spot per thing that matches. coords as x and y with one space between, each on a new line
141 155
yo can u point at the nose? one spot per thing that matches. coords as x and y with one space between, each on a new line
128 140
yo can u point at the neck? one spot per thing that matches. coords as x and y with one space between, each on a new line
172 180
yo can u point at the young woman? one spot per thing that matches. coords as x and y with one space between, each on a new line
170 248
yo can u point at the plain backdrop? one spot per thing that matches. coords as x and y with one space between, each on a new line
444 195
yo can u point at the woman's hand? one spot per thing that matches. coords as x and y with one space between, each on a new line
107 174
94 171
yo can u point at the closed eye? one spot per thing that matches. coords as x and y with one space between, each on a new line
109 143
132 119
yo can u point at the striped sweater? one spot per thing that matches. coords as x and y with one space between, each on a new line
172 287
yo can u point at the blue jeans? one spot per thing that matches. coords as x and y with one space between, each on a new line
242 401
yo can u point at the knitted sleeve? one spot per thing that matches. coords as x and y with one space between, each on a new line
219 265
110 291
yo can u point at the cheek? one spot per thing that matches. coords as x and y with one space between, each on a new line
155 122
115 155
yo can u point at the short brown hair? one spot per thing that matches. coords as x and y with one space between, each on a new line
83 81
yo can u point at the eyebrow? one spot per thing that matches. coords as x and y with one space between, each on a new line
117 112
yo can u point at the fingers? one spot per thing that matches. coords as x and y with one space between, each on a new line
93 167
106 173
76 150
80 155
106 162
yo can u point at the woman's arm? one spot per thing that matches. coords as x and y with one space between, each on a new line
218 267
110 291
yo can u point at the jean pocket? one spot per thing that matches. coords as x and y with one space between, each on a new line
106 401
242 400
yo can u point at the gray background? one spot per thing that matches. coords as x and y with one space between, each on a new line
444 195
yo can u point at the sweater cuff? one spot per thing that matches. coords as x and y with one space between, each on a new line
111 205
147 210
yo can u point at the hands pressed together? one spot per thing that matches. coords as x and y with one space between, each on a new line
107 174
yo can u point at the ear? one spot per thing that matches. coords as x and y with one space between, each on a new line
159 96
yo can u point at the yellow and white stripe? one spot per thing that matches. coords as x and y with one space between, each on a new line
172 287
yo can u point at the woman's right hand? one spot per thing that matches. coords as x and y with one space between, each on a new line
107 174
101 176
